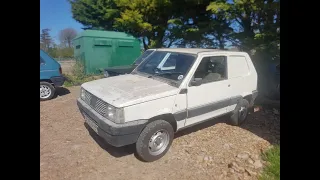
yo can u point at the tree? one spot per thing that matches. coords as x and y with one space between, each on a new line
249 24
45 39
189 24
150 20
256 23
95 14
66 36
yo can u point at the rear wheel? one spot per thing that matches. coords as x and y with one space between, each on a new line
155 140
240 113
46 91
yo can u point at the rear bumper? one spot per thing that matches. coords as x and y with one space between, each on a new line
115 134
58 80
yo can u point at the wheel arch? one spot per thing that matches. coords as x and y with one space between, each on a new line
166 117
47 80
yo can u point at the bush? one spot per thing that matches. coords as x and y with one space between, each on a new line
78 76
60 52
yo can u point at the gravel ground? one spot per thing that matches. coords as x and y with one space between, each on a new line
212 150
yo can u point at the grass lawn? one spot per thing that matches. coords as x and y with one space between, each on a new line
272 170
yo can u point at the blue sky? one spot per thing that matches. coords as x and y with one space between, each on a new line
56 15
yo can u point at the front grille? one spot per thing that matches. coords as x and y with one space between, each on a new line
95 103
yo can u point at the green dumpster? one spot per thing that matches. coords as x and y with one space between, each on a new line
102 49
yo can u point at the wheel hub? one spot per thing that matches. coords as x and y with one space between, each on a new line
242 112
158 142
45 91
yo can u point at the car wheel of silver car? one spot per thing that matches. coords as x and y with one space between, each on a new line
240 113
106 74
155 140
46 91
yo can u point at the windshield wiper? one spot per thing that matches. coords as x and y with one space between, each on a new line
167 73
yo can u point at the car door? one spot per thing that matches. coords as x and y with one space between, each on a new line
210 98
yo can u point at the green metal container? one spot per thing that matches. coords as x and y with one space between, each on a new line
102 49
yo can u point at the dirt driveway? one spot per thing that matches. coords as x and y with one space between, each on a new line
213 150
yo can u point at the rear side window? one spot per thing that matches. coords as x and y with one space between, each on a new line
237 66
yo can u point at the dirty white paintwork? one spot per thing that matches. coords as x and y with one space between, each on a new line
242 82
144 98
149 109
129 89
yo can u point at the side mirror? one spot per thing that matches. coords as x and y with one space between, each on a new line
196 82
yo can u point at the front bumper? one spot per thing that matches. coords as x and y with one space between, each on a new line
58 80
115 134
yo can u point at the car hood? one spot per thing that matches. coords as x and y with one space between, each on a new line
129 89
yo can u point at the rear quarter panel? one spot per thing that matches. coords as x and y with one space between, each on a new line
242 85
245 83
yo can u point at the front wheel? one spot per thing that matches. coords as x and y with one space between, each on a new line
155 140
46 91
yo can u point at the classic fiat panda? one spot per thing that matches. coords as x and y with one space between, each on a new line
170 90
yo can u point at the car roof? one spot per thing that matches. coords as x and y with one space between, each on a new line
190 50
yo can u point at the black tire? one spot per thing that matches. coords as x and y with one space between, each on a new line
51 88
142 144
237 118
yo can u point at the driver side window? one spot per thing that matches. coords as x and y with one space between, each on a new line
211 69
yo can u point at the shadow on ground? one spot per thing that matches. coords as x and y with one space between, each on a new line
114 151
263 123
61 91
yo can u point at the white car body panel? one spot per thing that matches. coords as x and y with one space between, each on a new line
145 98
129 89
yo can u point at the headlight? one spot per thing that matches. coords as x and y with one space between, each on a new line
115 114
82 94
111 113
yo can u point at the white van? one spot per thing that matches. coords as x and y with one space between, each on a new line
170 90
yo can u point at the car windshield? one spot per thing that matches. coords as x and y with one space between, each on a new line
168 65
143 56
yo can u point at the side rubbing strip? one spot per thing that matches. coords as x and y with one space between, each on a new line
208 108
181 115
